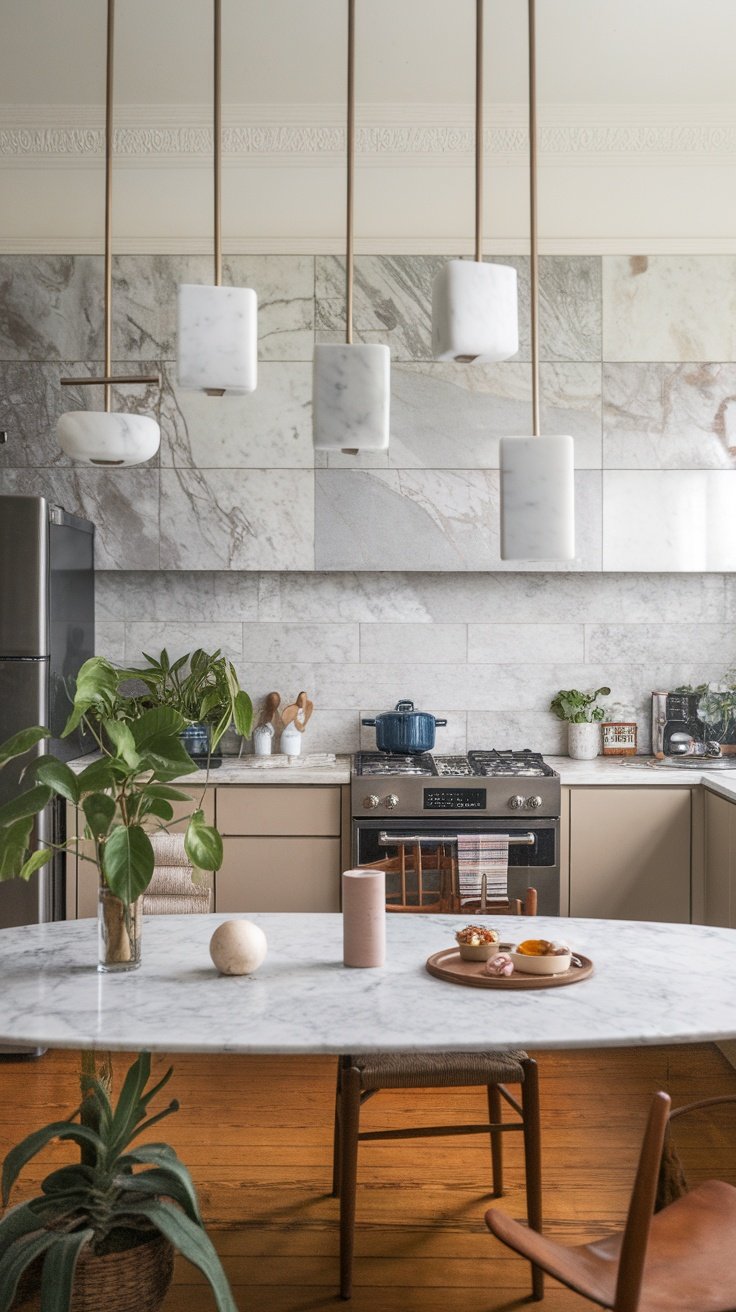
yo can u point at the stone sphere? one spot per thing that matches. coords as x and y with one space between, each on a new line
238 947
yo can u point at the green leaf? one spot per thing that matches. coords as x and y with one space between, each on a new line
156 806
96 778
35 1142
127 862
96 684
35 861
166 793
21 742
159 722
194 1244
25 804
122 739
129 1111
243 714
16 1223
17 1258
68 1178
221 727
59 1266
99 812
58 776
14 840
202 843
170 1181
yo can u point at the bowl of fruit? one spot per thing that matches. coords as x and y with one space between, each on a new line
541 956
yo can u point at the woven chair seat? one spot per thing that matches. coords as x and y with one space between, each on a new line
416 1070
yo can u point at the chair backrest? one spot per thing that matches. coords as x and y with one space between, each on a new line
641 1207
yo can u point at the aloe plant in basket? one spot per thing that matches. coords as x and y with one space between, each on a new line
123 796
102 1232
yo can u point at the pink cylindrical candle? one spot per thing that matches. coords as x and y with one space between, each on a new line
364 917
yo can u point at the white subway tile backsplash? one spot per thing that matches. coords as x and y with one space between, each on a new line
286 642
419 644
505 644
177 638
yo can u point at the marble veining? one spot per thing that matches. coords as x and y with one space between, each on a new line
667 416
302 999
236 519
669 307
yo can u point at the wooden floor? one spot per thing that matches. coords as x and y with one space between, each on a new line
256 1133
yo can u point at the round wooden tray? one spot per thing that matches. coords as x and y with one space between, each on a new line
449 965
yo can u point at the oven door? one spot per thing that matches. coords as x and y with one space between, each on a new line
420 861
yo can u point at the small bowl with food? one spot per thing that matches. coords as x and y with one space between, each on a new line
541 956
477 942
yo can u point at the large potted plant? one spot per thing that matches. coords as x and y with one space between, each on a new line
583 716
124 795
102 1232
204 688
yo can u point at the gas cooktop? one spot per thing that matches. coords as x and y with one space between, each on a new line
477 764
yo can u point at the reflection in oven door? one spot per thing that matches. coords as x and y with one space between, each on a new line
421 861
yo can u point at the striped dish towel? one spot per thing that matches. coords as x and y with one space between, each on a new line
482 867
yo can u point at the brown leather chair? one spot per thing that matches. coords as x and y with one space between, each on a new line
362 1075
679 1259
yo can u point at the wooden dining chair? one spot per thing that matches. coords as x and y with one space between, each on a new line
679 1259
362 1075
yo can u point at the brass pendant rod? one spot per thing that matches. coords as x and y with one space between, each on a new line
217 132
533 232
349 270
479 129
109 379
109 70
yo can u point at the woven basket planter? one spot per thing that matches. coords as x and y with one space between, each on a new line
134 1280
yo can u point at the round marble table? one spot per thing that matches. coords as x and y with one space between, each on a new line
653 983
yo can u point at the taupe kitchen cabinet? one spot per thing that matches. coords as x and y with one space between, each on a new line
281 848
630 853
720 861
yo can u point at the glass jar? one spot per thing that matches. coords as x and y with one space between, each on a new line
119 930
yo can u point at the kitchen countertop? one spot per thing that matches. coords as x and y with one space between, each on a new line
652 984
636 771
307 769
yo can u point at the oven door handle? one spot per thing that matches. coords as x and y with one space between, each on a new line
403 840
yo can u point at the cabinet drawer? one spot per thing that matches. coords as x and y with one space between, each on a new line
279 874
260 809
186 808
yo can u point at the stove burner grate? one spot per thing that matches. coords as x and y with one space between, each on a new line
525 764
383 764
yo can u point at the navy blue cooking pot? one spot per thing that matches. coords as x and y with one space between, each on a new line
405 730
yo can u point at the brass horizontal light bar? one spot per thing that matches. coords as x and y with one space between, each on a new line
108 379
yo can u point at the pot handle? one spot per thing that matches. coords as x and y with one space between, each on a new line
370 724
438 724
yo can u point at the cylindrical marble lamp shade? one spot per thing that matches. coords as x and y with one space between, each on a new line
537 498
364 917
475 312
99 437
351 397
217 344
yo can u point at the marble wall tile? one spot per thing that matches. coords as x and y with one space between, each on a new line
418 643
51 307
237 519
32 399
153 636
144 289
196 596
110 640
430 520
529 644
639 644
287 642
450 738
666 416
270 428
124 508
684 520
669 307
515 730
450 416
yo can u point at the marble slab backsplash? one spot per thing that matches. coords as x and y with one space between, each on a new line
487 651
637 364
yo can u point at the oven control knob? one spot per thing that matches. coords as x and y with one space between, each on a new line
516 802
534 802
391 802
370 802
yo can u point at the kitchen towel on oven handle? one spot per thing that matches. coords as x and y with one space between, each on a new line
480 855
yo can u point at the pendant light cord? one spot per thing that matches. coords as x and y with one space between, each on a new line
109 70
533 251
479 130
217 137
350 175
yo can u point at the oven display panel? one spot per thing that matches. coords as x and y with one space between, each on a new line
454 799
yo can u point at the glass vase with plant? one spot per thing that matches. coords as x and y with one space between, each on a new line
124 796
204 688
583 715
102 1231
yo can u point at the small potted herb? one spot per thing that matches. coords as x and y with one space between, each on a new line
583 716
102 1232
203 687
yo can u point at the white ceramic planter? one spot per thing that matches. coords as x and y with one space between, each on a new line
583 741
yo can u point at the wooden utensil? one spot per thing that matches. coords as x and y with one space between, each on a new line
299 712
270 709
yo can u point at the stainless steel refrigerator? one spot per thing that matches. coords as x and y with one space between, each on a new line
47 630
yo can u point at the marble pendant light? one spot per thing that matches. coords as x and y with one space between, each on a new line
108 437
351 383
217 339
475 317
537 473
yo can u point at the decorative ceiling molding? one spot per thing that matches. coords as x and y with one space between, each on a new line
421 135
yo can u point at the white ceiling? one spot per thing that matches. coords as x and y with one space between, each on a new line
409 51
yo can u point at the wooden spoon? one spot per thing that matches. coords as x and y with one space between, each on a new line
270 708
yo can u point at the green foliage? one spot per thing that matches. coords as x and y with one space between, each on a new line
203 687
114 1197
578 707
